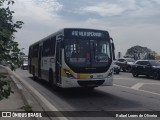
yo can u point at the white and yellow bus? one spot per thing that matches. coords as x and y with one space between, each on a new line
73 57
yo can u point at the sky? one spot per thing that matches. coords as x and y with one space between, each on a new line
129 22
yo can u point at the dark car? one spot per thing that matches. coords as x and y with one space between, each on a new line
116 68
125 63
146 67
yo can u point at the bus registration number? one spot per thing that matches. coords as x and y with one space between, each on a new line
99 76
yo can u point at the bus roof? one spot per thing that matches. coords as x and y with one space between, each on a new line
62 31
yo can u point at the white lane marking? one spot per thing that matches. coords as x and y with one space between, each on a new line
137 90
137 86
154 83
122 78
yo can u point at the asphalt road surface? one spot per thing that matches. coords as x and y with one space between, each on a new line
127 94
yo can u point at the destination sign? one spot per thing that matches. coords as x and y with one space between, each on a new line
86 34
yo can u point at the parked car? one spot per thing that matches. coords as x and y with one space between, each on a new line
146 67
24 64
116 69
125 63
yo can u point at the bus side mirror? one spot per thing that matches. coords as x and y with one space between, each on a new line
113 49
61 38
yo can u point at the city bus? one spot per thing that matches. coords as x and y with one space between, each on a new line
73 57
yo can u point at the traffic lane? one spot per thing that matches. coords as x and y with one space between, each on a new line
45 90
124 76
137 83
142 101
101 99
74 99
154 88
112 98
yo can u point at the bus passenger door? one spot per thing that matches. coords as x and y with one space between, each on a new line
58 62
39 61
30 59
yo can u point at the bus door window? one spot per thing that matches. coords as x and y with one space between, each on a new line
70 49
74 51
82 49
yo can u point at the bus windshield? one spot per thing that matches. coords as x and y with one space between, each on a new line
88 53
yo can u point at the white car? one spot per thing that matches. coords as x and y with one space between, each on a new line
24 65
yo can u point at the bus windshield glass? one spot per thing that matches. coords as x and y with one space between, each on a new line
89 53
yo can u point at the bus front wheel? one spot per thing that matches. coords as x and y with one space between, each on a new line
51 81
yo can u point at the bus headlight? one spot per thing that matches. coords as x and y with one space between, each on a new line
68 74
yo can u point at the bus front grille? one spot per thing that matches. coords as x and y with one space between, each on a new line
90 83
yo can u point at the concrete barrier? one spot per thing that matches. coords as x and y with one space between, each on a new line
32 96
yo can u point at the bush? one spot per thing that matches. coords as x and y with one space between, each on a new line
5 87
9 50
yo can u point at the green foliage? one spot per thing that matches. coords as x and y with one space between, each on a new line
27 108
5 87
9 50
138 51
8 47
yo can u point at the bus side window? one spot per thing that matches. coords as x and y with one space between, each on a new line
52 46
45 49
35 50
30 52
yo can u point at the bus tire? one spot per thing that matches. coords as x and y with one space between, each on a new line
33 72
51 81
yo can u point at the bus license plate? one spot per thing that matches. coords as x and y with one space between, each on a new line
99 76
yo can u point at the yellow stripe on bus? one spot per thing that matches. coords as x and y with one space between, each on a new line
79 75
82 76
63 73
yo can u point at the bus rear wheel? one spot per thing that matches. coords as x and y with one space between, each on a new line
33 73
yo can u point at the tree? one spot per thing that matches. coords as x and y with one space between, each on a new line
8 47
9 50
139 52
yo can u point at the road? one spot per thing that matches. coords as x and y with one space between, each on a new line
127 94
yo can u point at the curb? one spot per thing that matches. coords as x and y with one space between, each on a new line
32 97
